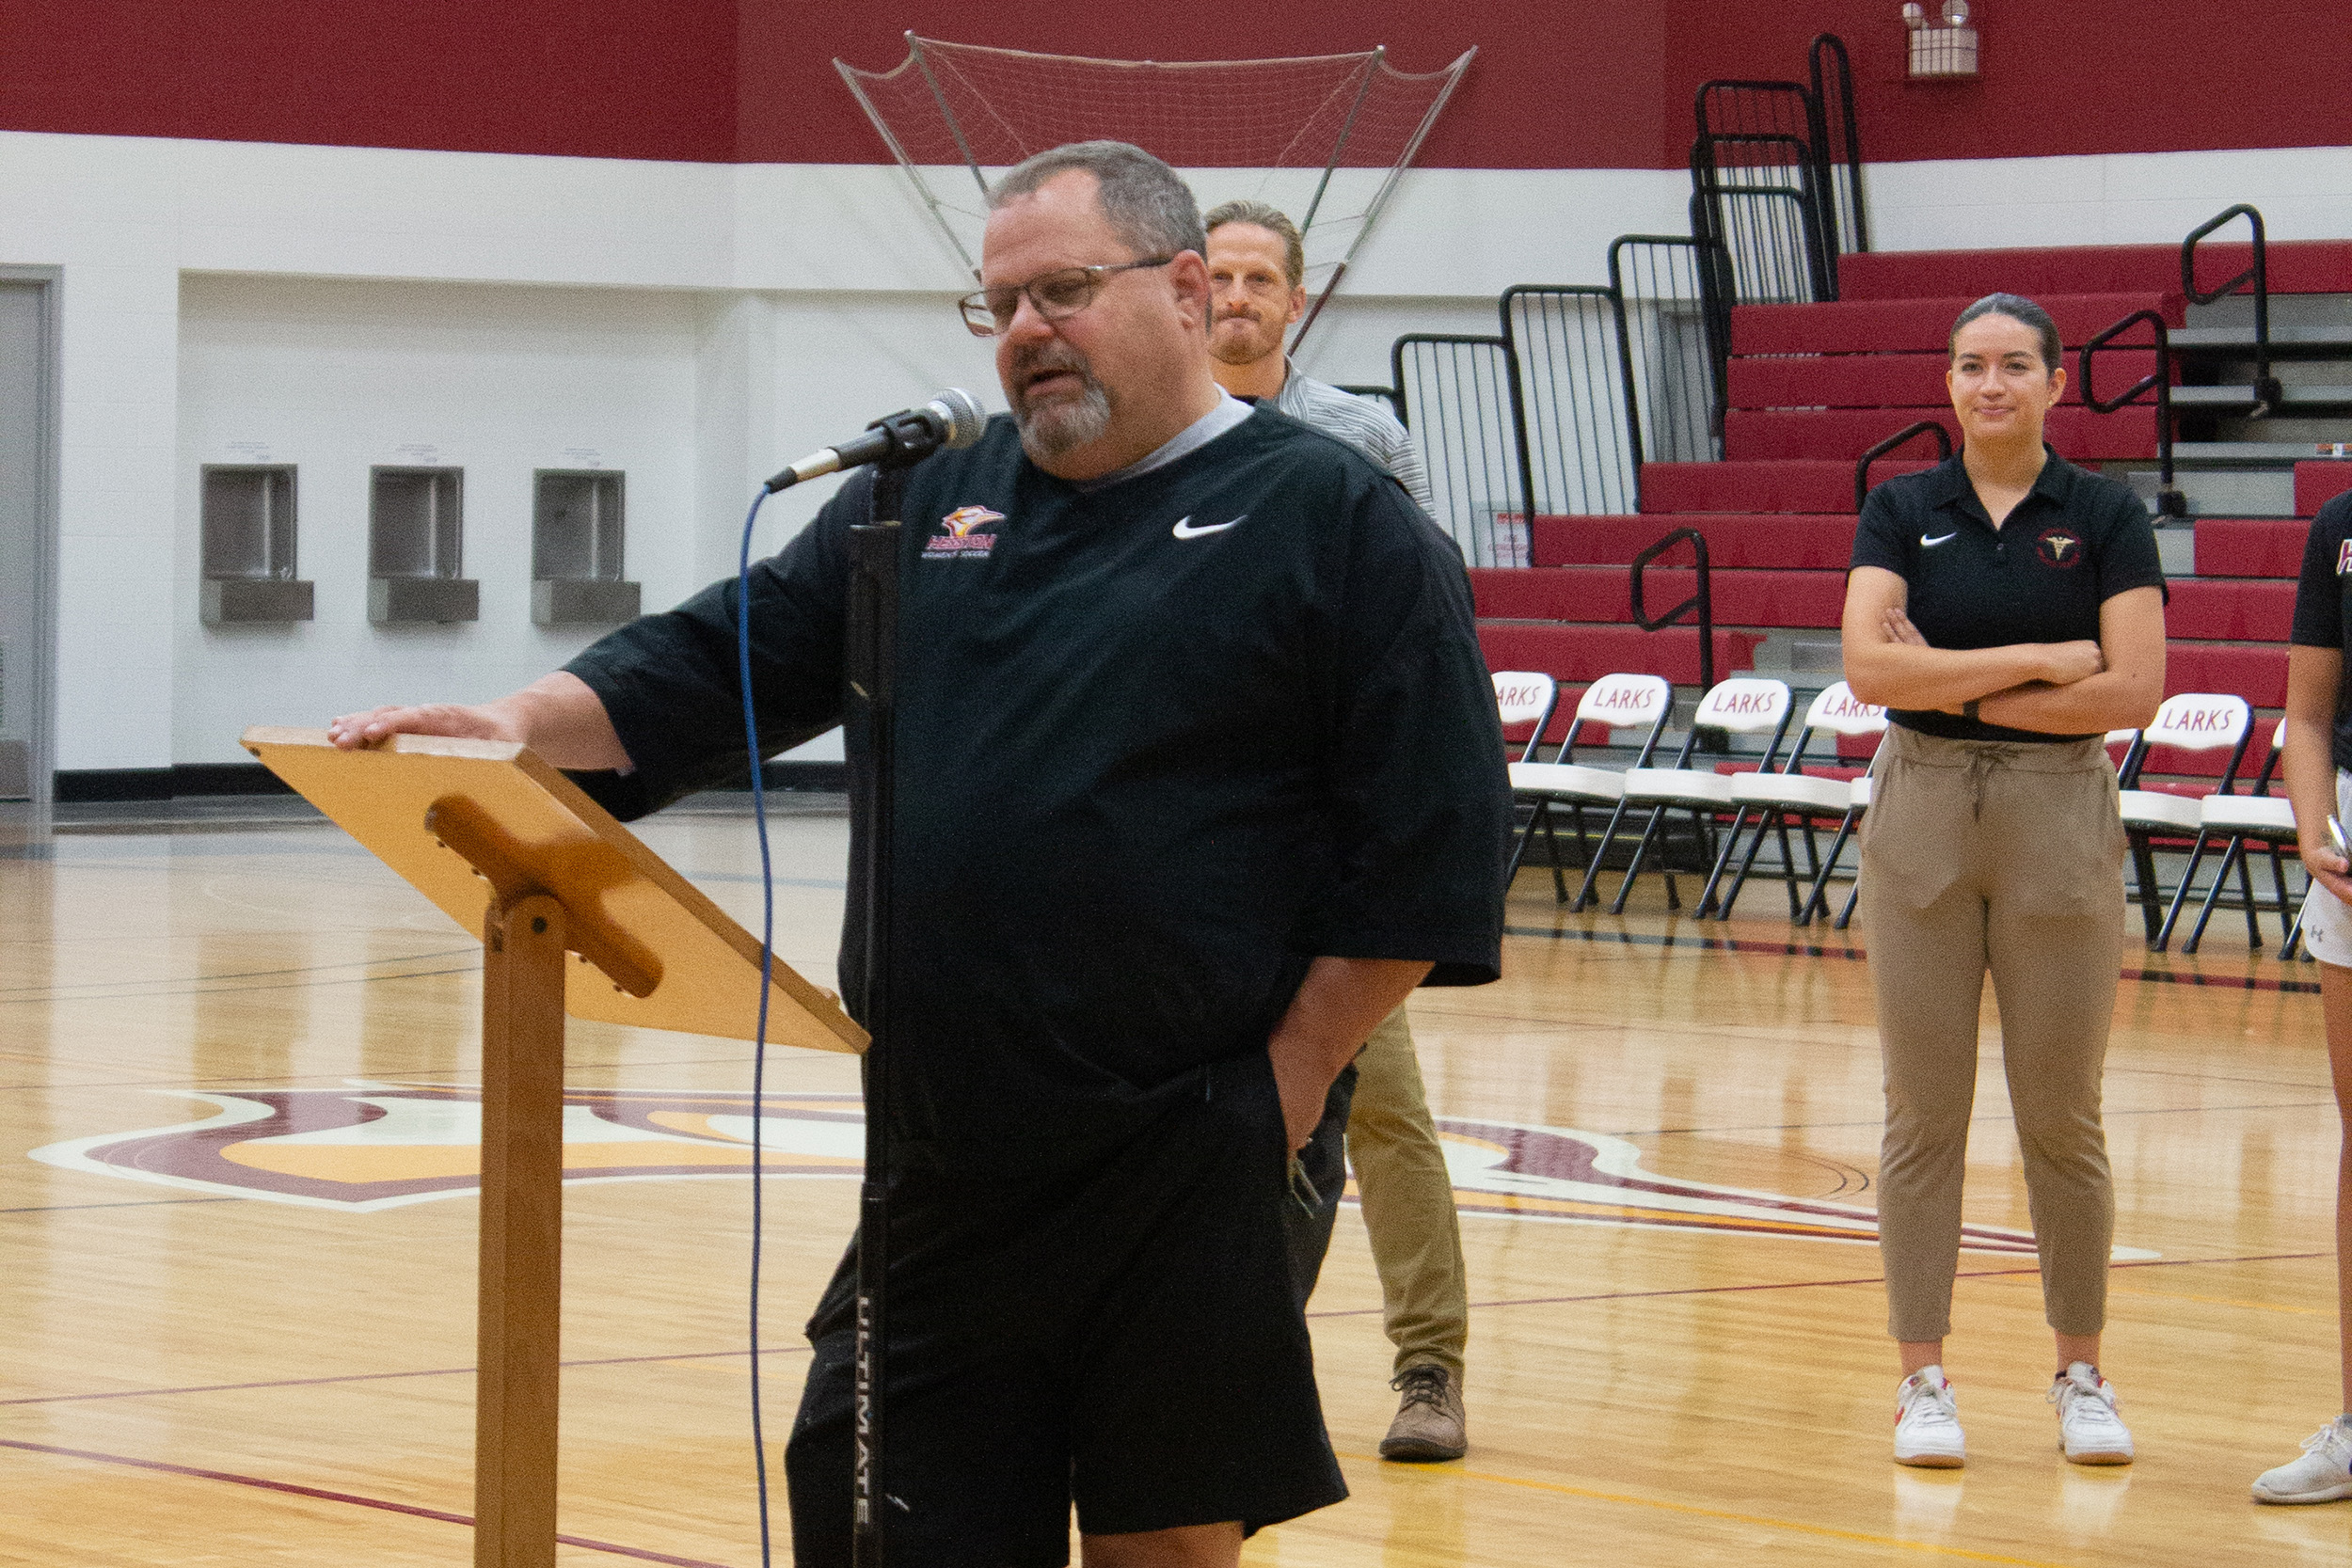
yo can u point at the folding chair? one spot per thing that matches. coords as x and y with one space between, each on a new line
2260 818
1859 807
1609 702
1742 706
1526 697
2191 721
1776 798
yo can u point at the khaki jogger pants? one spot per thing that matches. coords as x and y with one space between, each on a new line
1407 1200
1983 856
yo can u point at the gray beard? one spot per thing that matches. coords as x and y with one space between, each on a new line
1048 433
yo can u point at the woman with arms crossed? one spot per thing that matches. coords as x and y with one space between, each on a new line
2007 608
2318 752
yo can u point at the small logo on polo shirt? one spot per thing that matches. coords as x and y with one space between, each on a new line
2343 558
1939 539
1184 529
2058 546
963 535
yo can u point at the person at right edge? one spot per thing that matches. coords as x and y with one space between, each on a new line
2007 608
2319 735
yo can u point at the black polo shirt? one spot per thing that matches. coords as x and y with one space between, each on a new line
2322 605
2073 543
1160 744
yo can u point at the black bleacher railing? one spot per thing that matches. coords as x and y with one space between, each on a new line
1555 418
1466 409
1862 466
2254 280
1838 148
1757 199
1677 337
2170 501
1702 600
1584 432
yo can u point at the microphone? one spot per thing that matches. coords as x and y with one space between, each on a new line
953 418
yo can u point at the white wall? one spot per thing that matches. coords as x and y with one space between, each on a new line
697 324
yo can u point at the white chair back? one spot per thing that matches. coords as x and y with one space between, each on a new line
1839 710
2200 721
1522 696
1628 700
1743 705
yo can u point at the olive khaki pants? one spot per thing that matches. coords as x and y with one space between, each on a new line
1409 1203
1981 857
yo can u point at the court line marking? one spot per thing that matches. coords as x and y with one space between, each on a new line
133 1203
1796 1525
259 974
324 1495
379 1377
199 988
1831 950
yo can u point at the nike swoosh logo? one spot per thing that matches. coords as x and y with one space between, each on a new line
1184 529
1941 539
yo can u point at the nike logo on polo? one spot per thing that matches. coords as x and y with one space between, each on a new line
1939 539
1184 529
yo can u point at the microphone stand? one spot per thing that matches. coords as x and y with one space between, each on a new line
871 667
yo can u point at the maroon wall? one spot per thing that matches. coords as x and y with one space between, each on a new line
1578 84
2086 77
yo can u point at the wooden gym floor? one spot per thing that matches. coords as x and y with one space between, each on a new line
238 1304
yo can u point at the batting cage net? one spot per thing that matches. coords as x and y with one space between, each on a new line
1323 137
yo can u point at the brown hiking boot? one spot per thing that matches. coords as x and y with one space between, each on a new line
1429 1421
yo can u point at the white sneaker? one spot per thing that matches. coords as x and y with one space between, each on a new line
2089 1429
2321 1476
1927 1422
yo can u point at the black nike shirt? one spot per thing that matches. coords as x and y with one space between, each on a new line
1160 744
2073 543
2322 605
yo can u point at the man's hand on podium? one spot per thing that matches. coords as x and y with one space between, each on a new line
558 716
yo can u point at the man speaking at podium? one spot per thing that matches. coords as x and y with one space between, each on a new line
1199 775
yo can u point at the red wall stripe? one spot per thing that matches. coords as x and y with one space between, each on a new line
1559 84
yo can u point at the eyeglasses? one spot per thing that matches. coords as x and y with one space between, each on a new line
1057 295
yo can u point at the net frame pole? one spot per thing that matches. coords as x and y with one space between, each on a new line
1388 186
906 164
1364 90
955 128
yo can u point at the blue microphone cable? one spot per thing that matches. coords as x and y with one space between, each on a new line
767 974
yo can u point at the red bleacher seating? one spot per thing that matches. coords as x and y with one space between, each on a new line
2077 434
1886 380
2251 546
2259 674
1811 387
1735 541
1920 325
1586 652
2297 267
1813 486
1749 598
2317 484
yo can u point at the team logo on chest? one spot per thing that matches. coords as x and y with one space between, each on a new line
2343 558
965 534
2058 546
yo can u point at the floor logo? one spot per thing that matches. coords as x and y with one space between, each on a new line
375 1146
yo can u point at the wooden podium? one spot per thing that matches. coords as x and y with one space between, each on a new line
508 847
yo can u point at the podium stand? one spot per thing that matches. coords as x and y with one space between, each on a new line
506 845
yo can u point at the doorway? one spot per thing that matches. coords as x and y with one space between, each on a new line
27 531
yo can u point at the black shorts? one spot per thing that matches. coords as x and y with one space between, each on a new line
1125 1336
